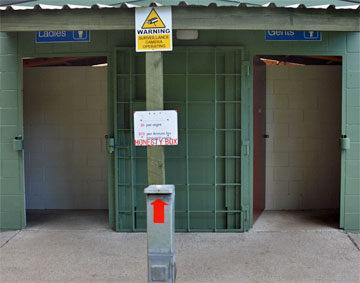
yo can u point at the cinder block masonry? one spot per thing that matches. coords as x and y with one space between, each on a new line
303 122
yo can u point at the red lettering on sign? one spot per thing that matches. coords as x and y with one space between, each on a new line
171 141
153 142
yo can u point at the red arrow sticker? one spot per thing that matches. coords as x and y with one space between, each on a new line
159 210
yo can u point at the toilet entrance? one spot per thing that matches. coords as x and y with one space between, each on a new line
65 159
297 126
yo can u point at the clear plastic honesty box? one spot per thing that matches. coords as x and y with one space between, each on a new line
160 205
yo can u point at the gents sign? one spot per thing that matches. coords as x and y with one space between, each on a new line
153 29
290 35
155 128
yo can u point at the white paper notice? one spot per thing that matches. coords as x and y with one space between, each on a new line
156 128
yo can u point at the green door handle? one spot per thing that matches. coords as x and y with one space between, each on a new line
344 142
18 143
246 147
110 144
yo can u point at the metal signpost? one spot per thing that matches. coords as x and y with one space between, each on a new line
160 207
156 128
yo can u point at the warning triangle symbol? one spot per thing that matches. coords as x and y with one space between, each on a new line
153 21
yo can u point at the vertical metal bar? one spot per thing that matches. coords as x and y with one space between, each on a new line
20 96
244 128
343 154
229 116
237 152
131 147
110 78
116 135
187 137
215 138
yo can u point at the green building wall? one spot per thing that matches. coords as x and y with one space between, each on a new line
352 129
15 46
11 188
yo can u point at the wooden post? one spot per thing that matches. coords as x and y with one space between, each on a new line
155 101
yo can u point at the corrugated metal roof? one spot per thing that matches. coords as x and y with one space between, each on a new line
109 4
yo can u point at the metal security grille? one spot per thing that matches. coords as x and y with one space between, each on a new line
204 85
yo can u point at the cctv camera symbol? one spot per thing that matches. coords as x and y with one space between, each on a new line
152 21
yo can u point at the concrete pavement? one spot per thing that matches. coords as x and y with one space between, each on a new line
50 254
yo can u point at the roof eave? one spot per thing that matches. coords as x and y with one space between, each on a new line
184 17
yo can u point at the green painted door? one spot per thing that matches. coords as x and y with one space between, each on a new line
204 85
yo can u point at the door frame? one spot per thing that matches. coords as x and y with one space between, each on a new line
343 119
21 56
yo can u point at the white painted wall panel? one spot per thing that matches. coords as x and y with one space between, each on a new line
65 121
303 122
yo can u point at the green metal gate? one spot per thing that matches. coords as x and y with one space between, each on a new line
204 85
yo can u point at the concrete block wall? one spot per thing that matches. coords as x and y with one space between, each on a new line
352 130
304 124
11 189
333 43
65 121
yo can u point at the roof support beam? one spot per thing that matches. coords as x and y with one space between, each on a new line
201 18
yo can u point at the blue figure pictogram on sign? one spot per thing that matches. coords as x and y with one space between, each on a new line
312 35
80 34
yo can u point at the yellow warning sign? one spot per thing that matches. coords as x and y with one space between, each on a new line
154 42
153 21
153 29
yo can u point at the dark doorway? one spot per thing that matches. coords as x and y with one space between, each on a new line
65 121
